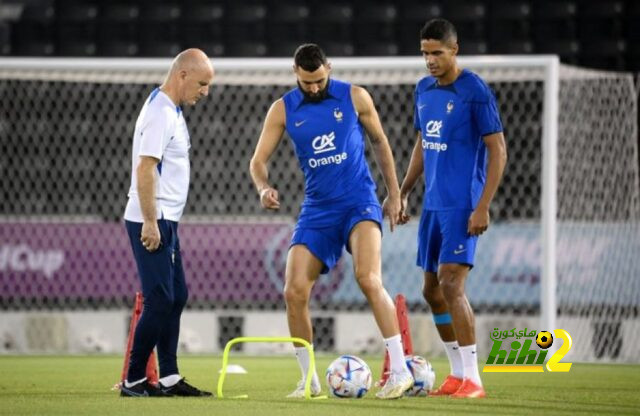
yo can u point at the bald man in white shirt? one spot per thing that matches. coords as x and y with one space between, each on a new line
158 194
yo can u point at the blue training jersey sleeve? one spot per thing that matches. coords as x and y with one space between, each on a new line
486 115
416 117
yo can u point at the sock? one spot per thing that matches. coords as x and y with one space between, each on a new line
455 358
303 360
396 353
133 383
171 380
470 362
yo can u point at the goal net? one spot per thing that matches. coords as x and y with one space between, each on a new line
562 249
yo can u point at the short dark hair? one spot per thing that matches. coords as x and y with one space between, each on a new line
439 29
309 57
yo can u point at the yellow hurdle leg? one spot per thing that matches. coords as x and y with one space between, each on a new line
231 343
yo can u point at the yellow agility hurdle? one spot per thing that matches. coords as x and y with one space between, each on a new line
231 343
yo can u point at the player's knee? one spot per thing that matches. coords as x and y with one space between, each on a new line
370 283
451 288
295 295
427 294
434 299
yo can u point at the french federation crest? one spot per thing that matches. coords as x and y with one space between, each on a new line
338 114
449 106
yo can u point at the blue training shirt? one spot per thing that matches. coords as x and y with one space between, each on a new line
452 120
329 142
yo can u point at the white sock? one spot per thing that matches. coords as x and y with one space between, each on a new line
133 383
171 380
396 353
302 354
455 358
470 362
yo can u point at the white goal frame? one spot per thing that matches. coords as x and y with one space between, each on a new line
234 71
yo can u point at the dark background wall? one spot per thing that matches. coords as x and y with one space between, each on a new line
593 33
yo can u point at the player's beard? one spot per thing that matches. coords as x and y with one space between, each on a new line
317 97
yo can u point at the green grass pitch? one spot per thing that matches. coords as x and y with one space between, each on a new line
81 385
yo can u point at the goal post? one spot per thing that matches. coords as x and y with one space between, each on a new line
548 306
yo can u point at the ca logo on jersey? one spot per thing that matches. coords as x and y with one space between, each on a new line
433 128
324 143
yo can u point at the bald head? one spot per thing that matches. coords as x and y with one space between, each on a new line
189 77
190 60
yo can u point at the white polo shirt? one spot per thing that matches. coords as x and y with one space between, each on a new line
161 132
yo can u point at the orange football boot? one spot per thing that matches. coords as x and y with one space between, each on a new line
450 385
469 390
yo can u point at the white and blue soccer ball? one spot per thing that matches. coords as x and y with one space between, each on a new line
348 377
423 375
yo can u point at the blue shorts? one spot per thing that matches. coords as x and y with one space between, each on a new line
443 238
326 230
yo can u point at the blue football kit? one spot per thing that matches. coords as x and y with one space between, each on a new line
452 121
328 140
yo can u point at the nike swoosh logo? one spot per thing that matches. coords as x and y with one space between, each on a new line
300 123
420 107
459 251
133 393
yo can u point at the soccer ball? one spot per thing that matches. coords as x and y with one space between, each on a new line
544 339
348 377
423 375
